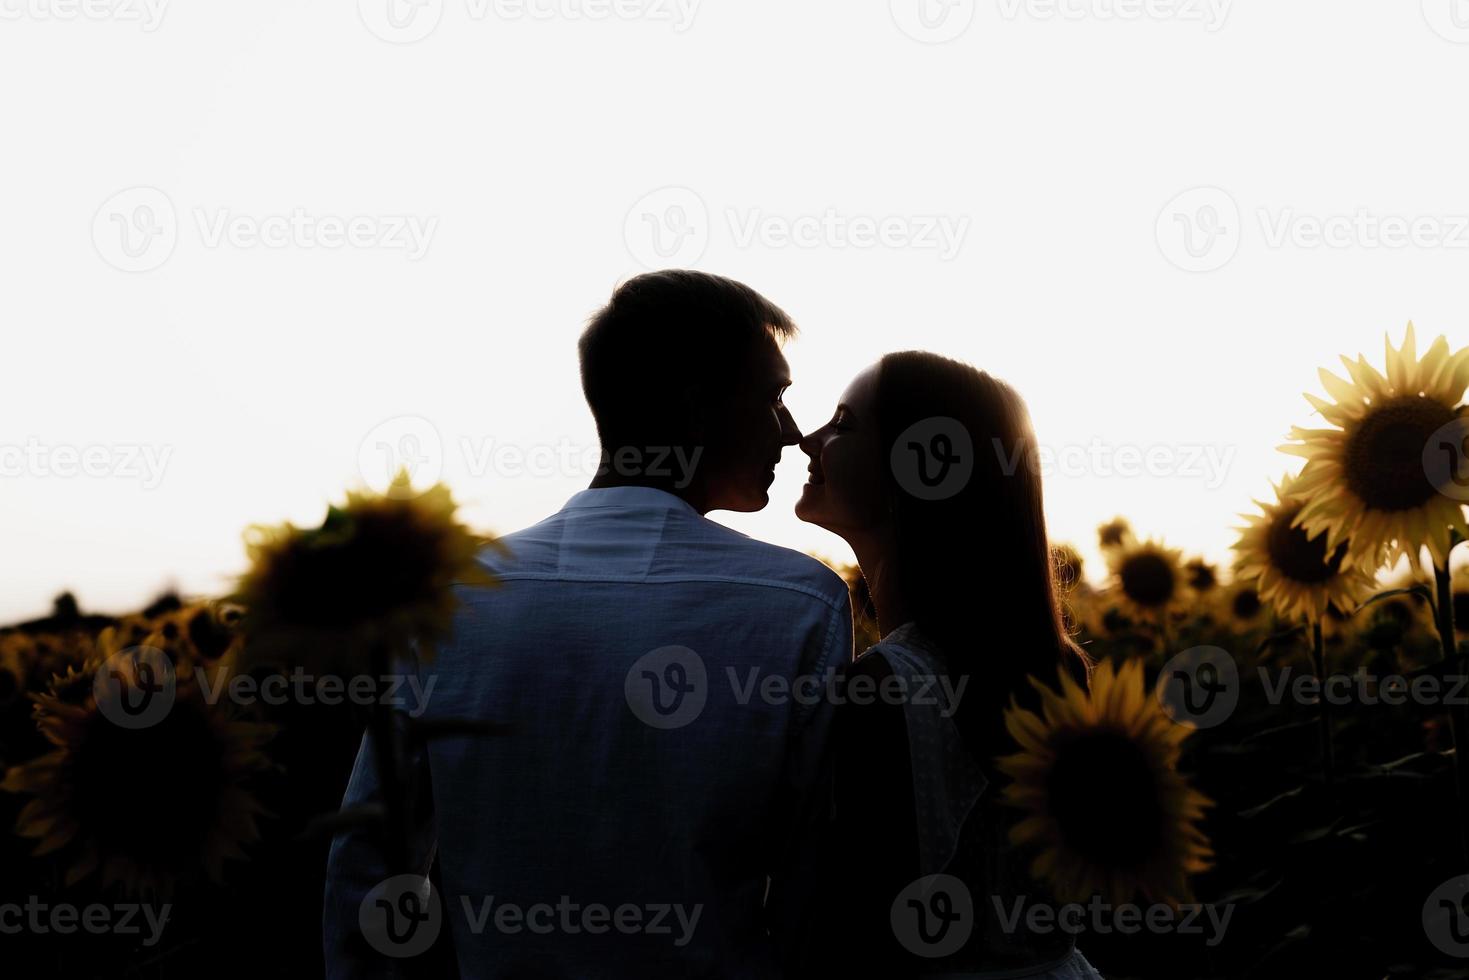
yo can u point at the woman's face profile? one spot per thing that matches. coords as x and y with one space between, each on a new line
848 485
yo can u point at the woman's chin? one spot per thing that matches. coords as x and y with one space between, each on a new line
808 507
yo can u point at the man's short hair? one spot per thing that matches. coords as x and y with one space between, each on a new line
663 331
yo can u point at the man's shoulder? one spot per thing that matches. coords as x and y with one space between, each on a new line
727 550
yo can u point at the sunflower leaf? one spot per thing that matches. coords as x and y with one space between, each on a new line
331 824
1418 590
1274 638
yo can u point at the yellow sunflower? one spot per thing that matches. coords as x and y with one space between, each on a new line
1097 777
1148 577
1291 568
1242 604
1365 482
146 807
1202 577
378 574
1116 533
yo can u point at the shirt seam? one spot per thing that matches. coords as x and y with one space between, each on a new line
829 601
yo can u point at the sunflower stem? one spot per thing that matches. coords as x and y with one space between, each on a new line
1318 664
1458 713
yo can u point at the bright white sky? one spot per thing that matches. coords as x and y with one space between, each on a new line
523 139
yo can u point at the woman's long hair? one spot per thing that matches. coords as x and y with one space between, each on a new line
976 568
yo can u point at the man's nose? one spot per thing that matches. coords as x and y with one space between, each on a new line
790 433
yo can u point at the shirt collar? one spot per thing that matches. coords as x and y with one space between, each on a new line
629 498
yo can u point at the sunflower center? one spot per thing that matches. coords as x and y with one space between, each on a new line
211 638
1383 460
1147 578
1298 557
1091 772
150 794
1246 603
1201 577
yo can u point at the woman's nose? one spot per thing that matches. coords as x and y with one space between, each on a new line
810 443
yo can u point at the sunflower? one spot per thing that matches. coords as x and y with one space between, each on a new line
144 807
1116 533
1242 603
379 573
1291 568
1365 482
199 634
1148 576
1113 744
1202 577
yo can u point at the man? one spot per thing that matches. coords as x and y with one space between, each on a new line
655 809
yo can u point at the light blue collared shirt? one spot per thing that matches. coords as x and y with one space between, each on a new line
664 763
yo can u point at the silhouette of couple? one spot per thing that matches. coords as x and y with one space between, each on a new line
700 780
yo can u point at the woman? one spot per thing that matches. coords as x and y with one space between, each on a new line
928 470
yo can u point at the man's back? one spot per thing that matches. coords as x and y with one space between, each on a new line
660 765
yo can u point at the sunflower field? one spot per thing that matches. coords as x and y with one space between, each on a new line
1270 743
